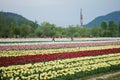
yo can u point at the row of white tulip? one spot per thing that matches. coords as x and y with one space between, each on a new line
39 43
58 39
36 41
57 68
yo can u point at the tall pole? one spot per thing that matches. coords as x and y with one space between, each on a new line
81 18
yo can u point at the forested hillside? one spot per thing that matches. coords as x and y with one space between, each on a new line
14 25
114 16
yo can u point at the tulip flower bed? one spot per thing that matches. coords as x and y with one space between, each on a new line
67 69
51 51
6 61
58 61
49 46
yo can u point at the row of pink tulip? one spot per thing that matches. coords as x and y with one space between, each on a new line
48 46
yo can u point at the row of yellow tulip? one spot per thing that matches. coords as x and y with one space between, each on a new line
51 51
59 68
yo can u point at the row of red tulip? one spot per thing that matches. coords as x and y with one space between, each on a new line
48 46
6 61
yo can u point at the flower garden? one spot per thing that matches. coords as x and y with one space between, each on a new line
62 61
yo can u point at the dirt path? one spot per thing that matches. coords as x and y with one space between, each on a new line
104 76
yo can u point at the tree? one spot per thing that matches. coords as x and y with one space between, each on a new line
16 32
104 25
35 24
95 31
38 32
112 29
60 32
48 29
2 23
20 22
70 31
119 29
104 29
25 30
84 32
77 31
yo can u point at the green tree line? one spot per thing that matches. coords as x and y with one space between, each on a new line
9 28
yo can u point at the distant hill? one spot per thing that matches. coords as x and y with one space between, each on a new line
10 18
14 15
114 16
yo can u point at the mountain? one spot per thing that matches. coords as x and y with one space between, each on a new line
18 20
114 16
14 15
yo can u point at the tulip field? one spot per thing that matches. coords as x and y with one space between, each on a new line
57 60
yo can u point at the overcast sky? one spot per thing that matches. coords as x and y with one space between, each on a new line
60 12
